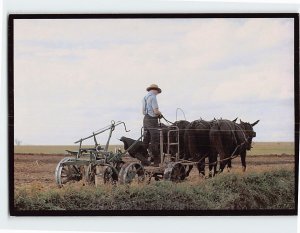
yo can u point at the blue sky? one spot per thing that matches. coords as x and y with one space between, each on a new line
74 76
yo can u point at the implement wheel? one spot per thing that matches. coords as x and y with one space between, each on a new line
100 174
65 173
175 172
131 172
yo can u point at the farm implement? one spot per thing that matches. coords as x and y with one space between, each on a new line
97 165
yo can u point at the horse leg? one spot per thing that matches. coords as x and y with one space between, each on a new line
201 166
215 168
243 160
223 161
215 159
216 137
229 165
212 163
188 170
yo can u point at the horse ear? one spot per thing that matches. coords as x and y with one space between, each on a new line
255 123
235 120
241 121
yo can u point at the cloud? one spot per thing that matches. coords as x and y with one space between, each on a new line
74 76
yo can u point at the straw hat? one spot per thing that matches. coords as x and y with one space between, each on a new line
153 87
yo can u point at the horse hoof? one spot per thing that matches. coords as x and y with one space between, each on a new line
202 175
219 172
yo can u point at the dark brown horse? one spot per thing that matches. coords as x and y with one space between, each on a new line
197 143
228 139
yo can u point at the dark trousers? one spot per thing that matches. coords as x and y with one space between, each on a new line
151 135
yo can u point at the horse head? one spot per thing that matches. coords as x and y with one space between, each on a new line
248 131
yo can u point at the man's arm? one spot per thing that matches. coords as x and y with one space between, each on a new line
155 106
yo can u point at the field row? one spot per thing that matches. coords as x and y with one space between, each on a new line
41 168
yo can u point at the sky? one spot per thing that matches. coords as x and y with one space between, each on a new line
73 76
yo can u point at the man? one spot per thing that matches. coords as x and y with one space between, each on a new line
151 115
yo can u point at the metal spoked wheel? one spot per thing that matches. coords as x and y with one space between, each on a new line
131 172
105 175
101 174
175 172
65 172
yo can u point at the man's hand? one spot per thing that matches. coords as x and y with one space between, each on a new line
157 112
160 116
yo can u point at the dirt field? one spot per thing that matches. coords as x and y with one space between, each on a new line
39 168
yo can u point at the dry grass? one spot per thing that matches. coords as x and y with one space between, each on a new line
268 190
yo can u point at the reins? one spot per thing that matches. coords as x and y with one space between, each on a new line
216 162
167 120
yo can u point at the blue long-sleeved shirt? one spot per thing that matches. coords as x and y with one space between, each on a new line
149 104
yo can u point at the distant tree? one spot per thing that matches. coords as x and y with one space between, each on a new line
18 142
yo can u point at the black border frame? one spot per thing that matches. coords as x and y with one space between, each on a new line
10 57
